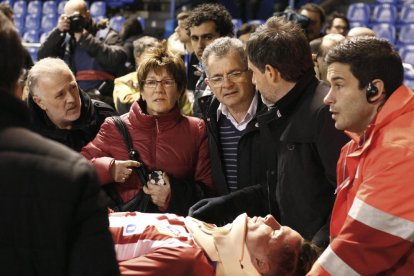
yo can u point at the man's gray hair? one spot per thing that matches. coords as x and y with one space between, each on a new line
143 43
45 67
221 47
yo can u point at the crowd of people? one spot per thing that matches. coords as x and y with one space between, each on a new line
286 150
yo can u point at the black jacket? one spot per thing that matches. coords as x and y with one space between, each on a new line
109 52
302 148
93 113
52 220
251 168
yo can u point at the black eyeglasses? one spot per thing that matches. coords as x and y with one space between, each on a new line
154 83
235 77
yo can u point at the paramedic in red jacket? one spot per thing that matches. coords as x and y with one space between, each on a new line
164 138
372 227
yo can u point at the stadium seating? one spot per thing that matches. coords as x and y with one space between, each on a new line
61 7
116 22
20 7
33 53
393 2
49 7
406 35
35 8
407 54
49 21
384 13
31 36
386 31
32 22
359 12
98 9
407 14
19 21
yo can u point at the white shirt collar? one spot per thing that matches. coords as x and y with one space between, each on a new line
251 112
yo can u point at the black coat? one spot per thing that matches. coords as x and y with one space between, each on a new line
93 114
301 147
52 220
251 168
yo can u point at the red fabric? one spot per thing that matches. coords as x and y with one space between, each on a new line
380 173
157 245
170 142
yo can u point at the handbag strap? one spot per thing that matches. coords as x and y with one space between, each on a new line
133 154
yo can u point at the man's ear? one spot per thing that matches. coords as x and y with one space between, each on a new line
39 102
261 265
379 84
272 74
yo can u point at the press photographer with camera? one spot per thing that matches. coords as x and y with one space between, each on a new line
161 139
93 51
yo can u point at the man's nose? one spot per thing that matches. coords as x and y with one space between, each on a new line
271 221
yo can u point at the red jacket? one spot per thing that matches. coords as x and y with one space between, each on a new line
170 142
372 226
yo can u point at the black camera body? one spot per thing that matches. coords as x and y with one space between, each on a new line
77 23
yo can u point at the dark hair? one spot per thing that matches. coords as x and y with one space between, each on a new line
246 28
131 27
333 16
211 12
370 58
11 54
291 260
308 255
314 8
283 45
160 57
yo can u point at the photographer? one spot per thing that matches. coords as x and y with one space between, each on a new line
93 53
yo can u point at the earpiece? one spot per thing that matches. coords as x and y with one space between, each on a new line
371 91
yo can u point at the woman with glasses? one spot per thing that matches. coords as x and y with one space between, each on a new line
165 140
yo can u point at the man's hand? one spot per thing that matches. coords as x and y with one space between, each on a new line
159 193
121 170
210 210
63 23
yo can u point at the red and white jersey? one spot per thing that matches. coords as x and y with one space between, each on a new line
136 234
156 245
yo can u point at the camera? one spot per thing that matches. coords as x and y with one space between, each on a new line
77 23
291 15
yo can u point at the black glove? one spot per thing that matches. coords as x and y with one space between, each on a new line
213 210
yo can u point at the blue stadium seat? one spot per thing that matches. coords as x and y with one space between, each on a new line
407 14
393 2
9 2
114 3
20 7
407 54
237 22
43 37
35 7
98 8
357 24
61 7
169 27
384 13
359 12
116 22
386 31
19 21
406 36
31 36
49 21
49 7
32 22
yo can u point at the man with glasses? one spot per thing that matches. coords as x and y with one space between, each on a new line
230 117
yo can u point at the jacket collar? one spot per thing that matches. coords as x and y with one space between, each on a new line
41 120
400 102
138 117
